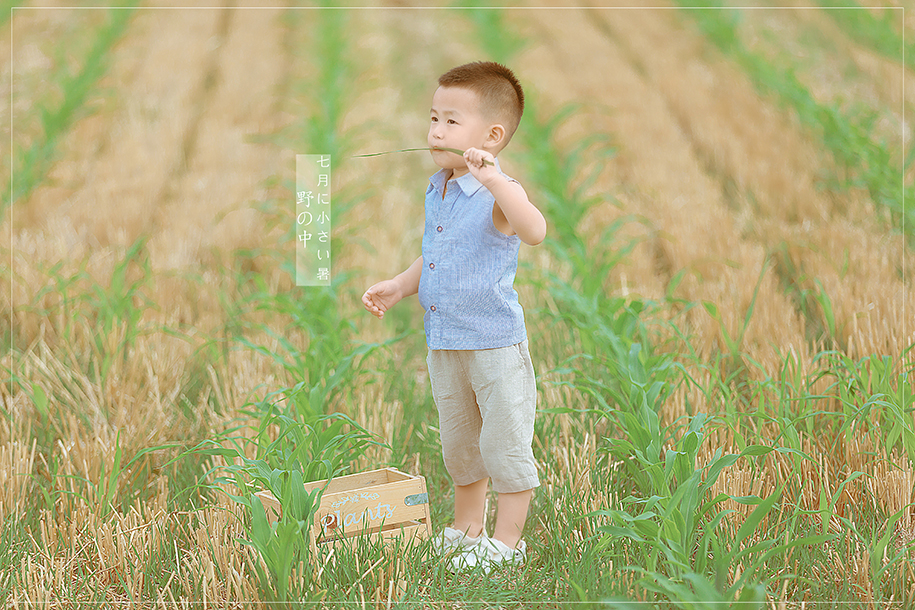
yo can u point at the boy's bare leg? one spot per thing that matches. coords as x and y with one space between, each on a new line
512 514
470 507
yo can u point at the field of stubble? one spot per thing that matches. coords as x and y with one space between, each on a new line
721 317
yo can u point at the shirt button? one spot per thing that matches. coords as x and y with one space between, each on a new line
439 229
431 265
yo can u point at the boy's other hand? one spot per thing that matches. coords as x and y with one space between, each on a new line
381 297
476 162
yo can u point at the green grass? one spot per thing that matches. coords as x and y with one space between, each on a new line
114 310
810 299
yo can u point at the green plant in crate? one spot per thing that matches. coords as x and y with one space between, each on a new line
282 545
292 444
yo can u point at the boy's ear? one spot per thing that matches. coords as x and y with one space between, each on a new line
496 136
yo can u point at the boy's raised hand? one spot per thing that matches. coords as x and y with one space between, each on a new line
476 162
381 297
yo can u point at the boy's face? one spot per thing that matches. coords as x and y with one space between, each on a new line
456 122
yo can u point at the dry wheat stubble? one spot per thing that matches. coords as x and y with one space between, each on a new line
650 188
208 206
672 188
138 145
743 139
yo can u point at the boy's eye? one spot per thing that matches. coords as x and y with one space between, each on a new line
452 121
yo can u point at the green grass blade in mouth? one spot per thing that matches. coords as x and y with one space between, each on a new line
457 152
387 152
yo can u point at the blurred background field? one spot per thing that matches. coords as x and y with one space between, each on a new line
721 317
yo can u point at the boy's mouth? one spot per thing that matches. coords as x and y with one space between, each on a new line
446 149
455 151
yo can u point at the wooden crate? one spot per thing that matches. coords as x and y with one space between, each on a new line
383 503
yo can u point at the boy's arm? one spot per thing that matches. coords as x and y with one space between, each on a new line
523 216
385 294
409 279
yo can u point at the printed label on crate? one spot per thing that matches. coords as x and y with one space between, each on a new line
381 512
365 495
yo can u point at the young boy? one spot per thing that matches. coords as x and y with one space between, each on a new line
479 366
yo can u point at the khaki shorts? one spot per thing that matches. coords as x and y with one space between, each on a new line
486 402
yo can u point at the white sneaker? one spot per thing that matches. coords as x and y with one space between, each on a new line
489 553
451 540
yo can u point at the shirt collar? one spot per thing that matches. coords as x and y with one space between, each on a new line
467 183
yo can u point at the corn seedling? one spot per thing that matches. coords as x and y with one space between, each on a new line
871 164
305 448
882 33
877 398
33 163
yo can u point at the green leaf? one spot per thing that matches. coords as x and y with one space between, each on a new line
704 589
715 468
712 310
298 498
755 450
752 597
622 532
261 532
747 500
752 522
826 305
636 370
40 399
673 284
221 451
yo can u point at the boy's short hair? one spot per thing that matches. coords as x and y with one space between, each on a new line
497 88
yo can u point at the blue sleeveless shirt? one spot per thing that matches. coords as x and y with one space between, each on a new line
468 269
